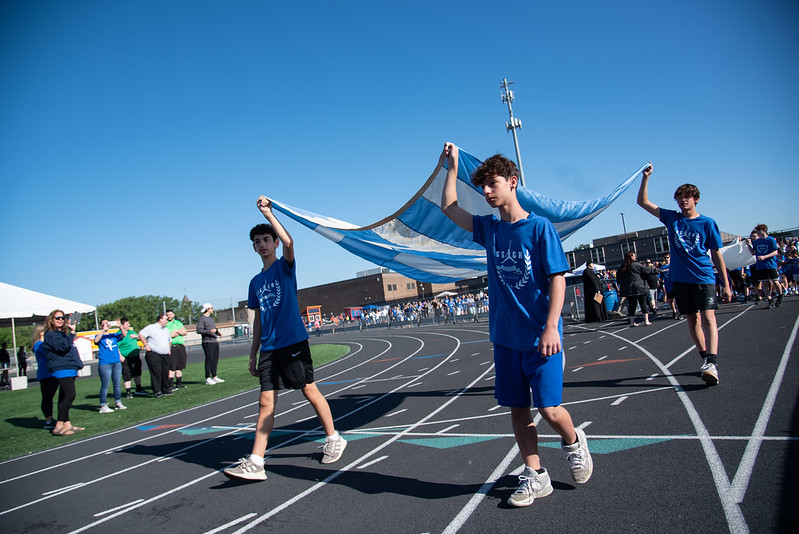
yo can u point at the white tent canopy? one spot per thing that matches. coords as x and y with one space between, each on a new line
19 306
579 270
22 307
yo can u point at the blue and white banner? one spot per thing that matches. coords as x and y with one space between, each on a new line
420 242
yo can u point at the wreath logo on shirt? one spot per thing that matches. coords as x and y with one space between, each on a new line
509 272
269 296
686 239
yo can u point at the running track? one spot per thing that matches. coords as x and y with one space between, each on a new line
429 450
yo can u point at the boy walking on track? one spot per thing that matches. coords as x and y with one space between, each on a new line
526 266
280 334
694 242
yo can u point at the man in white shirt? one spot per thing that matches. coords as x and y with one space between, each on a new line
157 342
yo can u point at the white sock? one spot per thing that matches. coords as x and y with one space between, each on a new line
257 460
335 436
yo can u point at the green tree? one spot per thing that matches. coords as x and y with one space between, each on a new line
143 310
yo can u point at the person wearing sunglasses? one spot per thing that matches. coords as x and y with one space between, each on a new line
63 362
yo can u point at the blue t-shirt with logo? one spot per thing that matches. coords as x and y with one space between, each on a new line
109 351
763 246
520 257
690 242
274 292
665 275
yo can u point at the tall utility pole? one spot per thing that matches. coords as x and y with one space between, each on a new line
624 227
512 124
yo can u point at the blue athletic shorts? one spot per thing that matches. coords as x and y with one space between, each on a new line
519 372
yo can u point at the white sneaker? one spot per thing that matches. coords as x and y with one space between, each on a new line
333 449
710 374
246 470
579 458
105 409
218 380
121 406
529 488
210 381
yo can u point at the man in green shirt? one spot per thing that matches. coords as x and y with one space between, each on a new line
131 365
177 359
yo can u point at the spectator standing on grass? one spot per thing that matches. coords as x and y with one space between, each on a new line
177 359
206 327
22 361
110 365
526 298
157 346
5 363
694 240
280 336
48 384
63 362
131 359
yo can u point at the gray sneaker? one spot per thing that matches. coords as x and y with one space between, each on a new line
245 470
579 458
529 488
333 449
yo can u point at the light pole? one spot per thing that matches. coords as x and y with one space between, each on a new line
512 124
624 226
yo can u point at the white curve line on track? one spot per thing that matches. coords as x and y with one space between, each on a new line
732 511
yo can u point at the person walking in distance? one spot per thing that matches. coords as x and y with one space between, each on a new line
206 327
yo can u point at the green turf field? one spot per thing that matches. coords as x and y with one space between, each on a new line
21 426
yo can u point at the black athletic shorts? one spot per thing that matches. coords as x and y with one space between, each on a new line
177 358
131 366
287 368
767 275
692 298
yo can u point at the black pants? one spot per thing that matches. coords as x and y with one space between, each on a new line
211 349
48 388
66 398
158 364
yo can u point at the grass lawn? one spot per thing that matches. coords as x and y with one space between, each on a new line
21 428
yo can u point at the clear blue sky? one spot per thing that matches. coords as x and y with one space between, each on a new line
135 136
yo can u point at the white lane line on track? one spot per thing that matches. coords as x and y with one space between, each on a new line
652 377
111 510
444 430
467 511
231 523
619 400
453 373
747 464
732 511
62 490
171 456
601 358
392 414
577 369
368 464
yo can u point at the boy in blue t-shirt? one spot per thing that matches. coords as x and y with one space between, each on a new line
694 242
766 250
526 266
280 335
